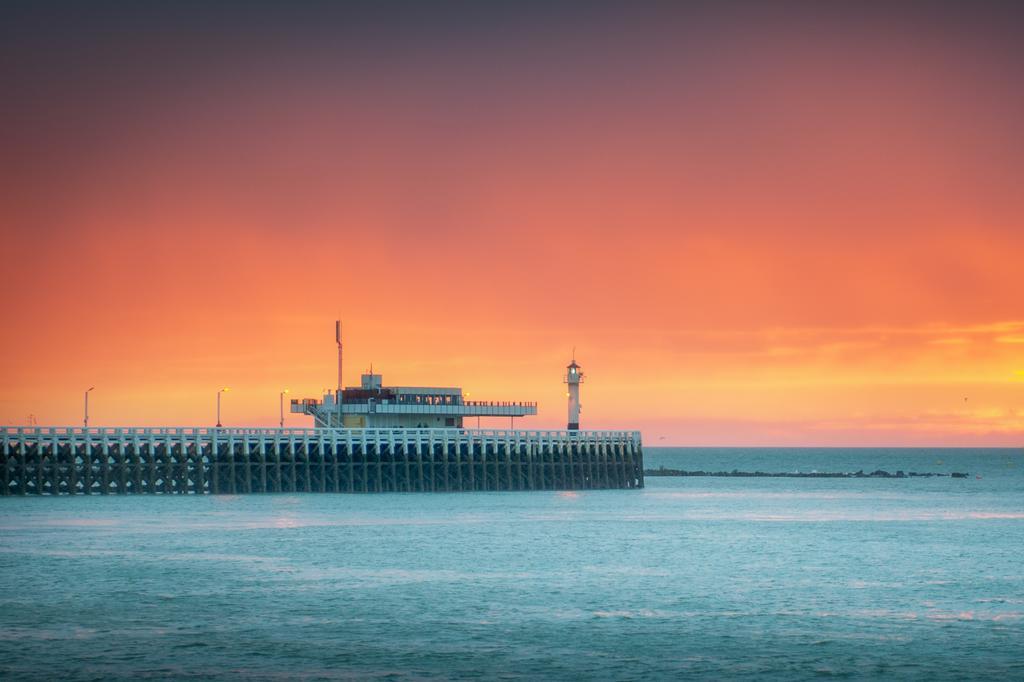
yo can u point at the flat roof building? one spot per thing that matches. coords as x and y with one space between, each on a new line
373 405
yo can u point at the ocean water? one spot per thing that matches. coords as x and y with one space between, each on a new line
700 577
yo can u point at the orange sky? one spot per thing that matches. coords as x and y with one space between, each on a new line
754 232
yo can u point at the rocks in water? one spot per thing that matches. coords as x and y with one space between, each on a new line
878 473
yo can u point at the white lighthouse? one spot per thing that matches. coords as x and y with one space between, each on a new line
573 377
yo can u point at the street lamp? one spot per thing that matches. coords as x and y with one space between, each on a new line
464 396
85 422
223 390
282 405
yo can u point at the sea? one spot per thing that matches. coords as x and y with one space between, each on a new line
699 578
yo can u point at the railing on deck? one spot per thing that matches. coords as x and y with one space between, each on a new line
118 432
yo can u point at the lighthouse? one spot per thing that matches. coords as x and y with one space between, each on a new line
573 377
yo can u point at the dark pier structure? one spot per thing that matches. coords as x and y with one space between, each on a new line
115 461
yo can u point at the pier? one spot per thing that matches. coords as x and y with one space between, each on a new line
185 461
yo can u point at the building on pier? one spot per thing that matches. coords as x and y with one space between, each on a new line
375 406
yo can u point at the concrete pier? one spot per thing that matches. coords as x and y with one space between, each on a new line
112 461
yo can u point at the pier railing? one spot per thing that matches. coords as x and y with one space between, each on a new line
117 432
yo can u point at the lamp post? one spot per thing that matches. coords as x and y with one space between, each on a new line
464 397
281 396
85 421
223 390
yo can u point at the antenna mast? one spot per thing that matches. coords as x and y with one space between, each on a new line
337 395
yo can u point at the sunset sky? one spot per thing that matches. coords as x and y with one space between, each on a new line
757 223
